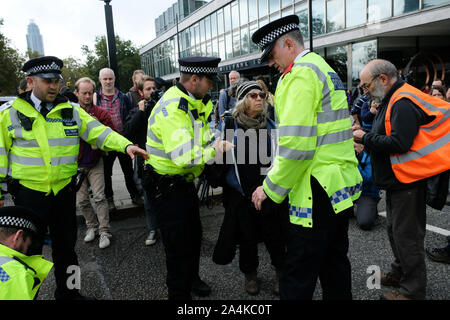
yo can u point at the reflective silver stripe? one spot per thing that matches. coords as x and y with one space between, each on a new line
15 123
421 152
3 152
56 161
297 131
4 260
156 152
102 137
334 137
153 136
62 142
89 126
333 115
184 148
293 154
425 103
3 171
77 118
161 105
276 188
25 143
27 160
326 96
194 163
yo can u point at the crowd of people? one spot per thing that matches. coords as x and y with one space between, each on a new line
295 193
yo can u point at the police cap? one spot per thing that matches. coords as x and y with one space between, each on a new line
48 67
207 66
21 218
266 36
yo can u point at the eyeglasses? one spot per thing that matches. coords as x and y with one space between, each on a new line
366 86
254 95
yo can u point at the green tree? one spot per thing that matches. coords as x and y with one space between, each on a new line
128 60
11 62
72 71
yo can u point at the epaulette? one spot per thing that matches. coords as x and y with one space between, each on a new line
7 105
184 105
206 99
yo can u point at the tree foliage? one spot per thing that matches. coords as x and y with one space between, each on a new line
11 62
128 60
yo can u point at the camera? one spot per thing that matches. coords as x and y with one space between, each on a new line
156 95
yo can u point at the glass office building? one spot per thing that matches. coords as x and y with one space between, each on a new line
413 34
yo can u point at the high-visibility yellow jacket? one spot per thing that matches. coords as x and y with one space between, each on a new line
45 157
315 139
178 135
21 275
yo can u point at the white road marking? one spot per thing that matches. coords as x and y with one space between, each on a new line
428 227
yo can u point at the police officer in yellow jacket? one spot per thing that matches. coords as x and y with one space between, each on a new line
40 133
179 145
315 165
21 275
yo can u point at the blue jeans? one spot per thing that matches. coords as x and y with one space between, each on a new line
149 214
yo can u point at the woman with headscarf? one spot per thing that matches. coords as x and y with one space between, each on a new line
243 226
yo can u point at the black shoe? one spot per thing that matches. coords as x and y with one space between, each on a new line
200 288
438 254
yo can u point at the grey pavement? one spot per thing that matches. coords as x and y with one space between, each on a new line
129 270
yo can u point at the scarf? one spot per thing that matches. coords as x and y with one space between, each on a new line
245 122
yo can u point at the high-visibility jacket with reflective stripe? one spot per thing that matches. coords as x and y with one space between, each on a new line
315 138
430 150
45 158
21 275
178 134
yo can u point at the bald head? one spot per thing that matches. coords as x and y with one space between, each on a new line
107 78
377 77
377 67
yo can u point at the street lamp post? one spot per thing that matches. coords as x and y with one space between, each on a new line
111 40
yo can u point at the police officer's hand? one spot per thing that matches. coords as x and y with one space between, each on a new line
133 150
258 197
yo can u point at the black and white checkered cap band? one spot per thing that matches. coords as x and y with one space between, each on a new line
44 68
198 69
16 222
272 35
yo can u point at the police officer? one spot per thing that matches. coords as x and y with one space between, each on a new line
40 133
178 142
316 164
20 275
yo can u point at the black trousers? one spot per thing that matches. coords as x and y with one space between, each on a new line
178 218
58 214
127 168
319 252
245 226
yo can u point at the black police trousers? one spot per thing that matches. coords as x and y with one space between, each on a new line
58 212
319 252
178 218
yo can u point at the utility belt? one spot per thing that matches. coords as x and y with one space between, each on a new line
158 185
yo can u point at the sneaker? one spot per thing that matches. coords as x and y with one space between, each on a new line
438 254
200 288
390 280
137 200
104 240
151 239
111 205
251 283
90 234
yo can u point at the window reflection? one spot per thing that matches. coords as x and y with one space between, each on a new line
355 12
362 53
335 15
430 3
302 12
263 8
252 10
404 6
379 9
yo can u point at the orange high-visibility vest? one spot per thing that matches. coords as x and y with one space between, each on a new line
430 152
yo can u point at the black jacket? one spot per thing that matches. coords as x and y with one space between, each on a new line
406 118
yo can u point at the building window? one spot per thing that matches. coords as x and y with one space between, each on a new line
274 5
220 22
362 53
263 8
405 6
243 11
285 3
227 18
430 3
222 52
252 10
336 57
355 13
228 46
301 10
335 15
213 25
236 43
318 17
253 46
379 9
245 40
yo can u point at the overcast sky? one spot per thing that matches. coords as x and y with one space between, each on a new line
66 25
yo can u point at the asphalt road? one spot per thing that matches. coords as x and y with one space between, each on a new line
129 270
